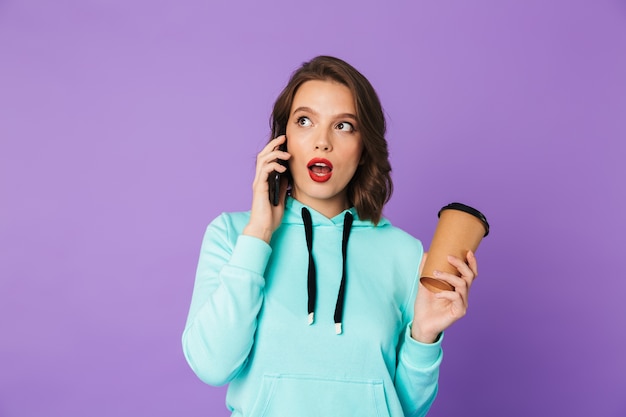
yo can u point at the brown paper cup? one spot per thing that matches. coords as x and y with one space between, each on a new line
459 230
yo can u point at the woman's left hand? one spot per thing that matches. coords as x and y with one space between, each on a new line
435 312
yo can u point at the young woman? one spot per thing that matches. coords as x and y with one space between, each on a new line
313 307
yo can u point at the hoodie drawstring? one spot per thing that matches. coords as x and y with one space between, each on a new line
310 283
347 225
311 278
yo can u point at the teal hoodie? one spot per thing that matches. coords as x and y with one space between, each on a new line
248 322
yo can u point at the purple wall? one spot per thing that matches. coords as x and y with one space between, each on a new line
126 126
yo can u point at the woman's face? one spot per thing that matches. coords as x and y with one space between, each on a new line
325 144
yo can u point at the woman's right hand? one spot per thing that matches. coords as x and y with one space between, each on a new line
265 217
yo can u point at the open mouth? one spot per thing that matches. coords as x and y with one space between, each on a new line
320 170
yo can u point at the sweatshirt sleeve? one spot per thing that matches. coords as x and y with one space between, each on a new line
227 297
417 373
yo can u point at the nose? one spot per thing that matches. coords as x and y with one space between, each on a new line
322 141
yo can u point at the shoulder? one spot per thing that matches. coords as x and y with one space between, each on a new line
395 238
235 219
388 244
227 225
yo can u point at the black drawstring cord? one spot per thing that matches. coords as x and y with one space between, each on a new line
311 278
311 284
347 225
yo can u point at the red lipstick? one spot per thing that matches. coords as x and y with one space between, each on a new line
320 169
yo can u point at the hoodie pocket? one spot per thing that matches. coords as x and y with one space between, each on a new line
310 396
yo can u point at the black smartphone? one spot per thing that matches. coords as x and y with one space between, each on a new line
274 178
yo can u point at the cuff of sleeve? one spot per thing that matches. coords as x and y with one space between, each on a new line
420 355
251 253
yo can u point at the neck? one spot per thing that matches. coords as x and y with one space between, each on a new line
329 208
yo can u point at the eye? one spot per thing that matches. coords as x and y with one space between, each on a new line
304 121
345 126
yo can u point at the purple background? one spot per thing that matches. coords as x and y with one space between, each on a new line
126 126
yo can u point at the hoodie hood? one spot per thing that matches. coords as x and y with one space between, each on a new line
293 215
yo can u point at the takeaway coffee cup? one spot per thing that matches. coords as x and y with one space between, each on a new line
460 229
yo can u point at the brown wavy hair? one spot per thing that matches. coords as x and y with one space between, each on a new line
371 186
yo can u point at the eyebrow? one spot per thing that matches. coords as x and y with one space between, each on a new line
337 116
